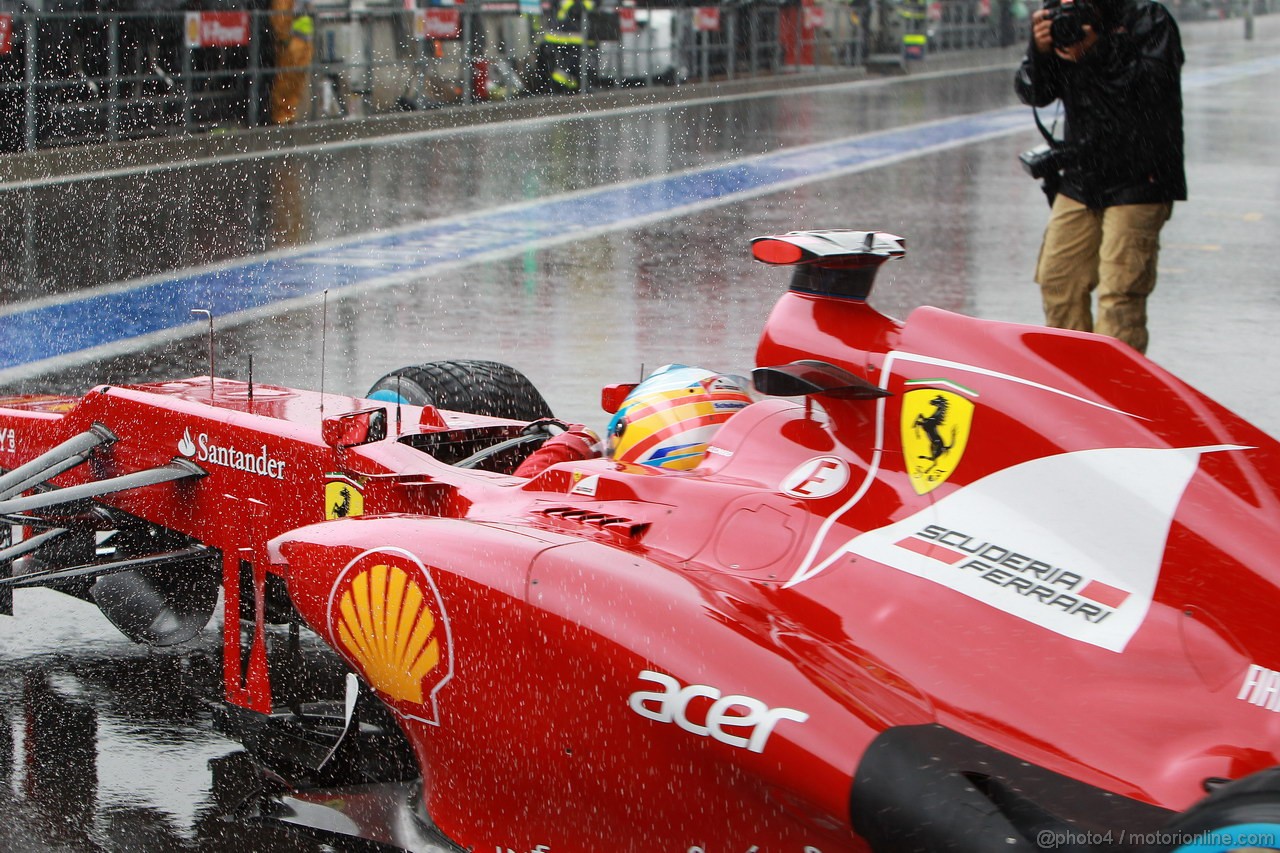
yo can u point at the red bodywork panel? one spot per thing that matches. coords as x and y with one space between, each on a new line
1038 540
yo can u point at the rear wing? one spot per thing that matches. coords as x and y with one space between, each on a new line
837 262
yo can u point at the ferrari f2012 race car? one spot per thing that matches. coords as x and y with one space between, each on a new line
940 585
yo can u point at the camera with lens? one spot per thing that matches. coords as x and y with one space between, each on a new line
1045 163
1067 20
1041 162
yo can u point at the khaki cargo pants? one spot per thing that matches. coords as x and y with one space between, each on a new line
1113 251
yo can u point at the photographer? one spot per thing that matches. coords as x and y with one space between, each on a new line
1115 65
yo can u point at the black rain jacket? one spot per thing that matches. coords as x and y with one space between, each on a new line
1123 106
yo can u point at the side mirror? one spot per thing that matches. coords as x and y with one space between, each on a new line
808 377
354 428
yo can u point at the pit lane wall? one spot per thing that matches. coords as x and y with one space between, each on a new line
69 76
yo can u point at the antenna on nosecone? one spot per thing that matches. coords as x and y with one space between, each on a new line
209 314
399 403
324 335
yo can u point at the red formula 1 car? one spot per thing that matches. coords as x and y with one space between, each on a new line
947 584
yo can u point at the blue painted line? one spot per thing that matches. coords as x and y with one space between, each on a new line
117 319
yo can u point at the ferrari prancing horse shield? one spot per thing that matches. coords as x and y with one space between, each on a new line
342 497
935 430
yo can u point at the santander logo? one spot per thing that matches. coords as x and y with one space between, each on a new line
202 449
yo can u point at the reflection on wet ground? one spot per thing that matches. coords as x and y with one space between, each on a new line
105 746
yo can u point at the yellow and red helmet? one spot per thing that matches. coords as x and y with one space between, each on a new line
669 418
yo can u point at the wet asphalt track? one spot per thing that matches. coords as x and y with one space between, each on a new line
576 248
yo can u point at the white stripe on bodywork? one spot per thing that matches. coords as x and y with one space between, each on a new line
808 568
1103 515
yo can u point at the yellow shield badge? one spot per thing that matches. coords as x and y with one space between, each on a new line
935 430
342 497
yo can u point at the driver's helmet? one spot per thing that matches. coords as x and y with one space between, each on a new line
668 419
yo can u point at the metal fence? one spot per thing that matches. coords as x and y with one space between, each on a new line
74 78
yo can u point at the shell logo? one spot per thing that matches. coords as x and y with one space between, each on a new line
386 617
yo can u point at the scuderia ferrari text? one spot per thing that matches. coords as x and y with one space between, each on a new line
1052 586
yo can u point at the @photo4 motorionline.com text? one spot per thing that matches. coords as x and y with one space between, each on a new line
1229 838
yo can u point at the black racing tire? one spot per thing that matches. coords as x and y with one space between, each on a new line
1240 815
464 385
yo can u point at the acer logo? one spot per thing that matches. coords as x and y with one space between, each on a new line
739 721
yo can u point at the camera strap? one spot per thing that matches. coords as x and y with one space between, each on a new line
1051 182
1044 131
